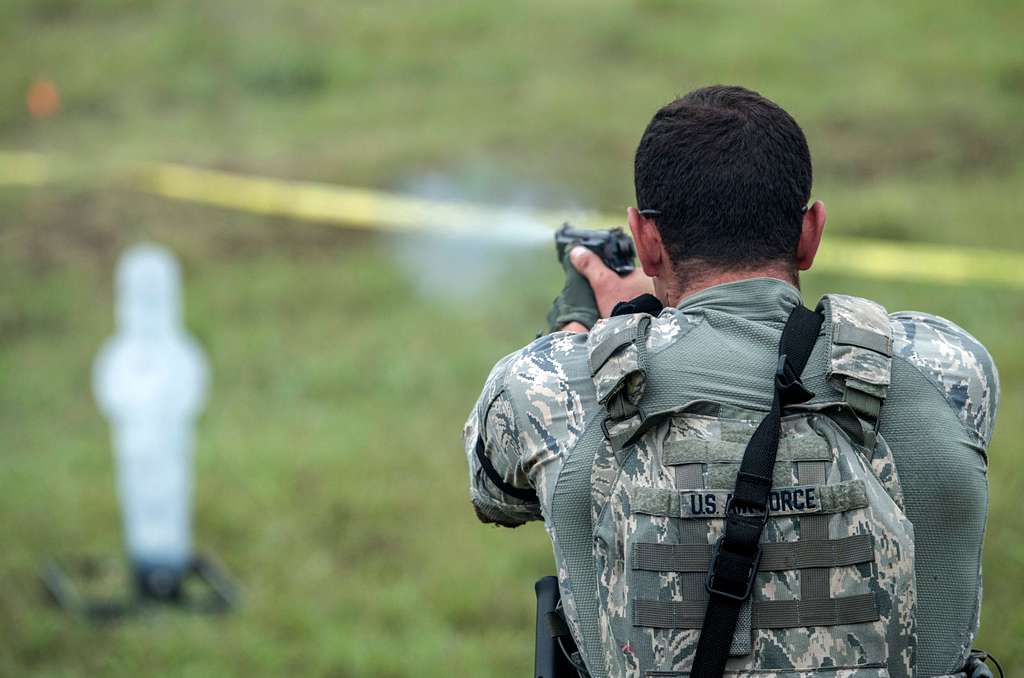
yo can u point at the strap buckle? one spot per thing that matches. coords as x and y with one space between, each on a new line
713 583
736 564
788 384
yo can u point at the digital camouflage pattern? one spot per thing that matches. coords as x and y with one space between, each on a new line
534 406
956 363
538 401
890 579
960 367
532 417
623 519
868 370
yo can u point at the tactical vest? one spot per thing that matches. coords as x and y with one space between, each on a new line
834 591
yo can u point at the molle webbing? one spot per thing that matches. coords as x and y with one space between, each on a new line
850 335
600 353
815 583
784 501
860 355
767 614
694 534
793 555
618 361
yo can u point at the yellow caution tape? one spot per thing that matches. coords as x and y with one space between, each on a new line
379 210
25 169
889 260
349 207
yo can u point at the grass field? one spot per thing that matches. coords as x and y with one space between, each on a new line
331 481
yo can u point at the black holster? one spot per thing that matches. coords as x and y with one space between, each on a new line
554 642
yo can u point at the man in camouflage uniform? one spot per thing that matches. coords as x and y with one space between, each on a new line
723 180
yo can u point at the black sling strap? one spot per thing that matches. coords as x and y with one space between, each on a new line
737 553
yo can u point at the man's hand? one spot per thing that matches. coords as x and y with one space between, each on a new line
609 288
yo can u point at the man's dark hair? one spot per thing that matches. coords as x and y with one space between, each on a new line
729 173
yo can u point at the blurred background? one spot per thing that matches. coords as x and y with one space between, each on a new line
330 477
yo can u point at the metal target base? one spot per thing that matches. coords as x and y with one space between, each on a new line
89 588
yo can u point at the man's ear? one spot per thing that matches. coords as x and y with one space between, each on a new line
810 235
653 257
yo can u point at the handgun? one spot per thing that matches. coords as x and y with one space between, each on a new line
613 246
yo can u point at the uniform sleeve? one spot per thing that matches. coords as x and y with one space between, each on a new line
957 364
492 427
533 408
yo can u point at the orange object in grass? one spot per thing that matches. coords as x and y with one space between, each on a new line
43 99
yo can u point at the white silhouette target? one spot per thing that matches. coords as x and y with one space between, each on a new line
150 380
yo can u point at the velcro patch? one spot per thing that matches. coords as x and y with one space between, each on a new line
791 448
782 501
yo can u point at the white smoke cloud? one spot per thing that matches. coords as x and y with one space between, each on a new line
465 267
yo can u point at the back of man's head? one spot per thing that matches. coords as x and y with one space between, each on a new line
728 173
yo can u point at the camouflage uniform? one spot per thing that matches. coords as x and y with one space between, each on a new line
539 402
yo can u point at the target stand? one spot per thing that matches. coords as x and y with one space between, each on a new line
93 589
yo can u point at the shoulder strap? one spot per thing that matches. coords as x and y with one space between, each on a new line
860 355
737 553
618 365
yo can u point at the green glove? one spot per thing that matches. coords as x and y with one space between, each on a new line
575 302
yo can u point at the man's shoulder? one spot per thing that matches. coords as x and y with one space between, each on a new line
665 328
543 371
955 362
543 396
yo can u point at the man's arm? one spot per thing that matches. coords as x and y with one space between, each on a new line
492 432
957 364
938 421
533 408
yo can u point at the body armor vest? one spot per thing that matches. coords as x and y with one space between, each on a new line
834 592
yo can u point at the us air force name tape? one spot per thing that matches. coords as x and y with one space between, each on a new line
783 501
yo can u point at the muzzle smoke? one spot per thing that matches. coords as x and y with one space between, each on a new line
467 266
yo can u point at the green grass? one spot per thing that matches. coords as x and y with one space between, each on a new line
330 478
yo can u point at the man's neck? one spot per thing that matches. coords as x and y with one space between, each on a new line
674 290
